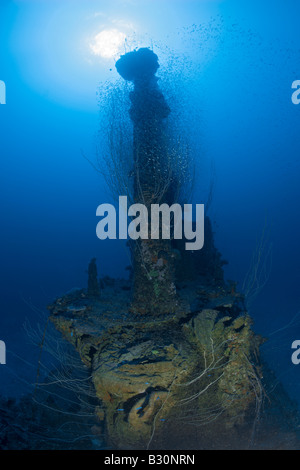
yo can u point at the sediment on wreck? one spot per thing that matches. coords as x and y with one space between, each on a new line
175 349
198 366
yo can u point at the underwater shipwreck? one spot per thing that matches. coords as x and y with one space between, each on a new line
171 355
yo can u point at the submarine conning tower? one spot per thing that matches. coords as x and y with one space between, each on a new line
153 264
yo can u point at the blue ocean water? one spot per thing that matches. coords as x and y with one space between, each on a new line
232 65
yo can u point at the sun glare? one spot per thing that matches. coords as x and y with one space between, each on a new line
108 43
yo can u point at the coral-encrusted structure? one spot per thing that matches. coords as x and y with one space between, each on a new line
198 365
176 348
